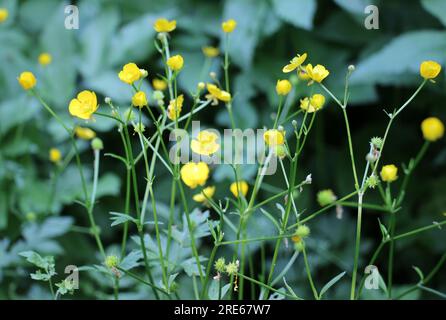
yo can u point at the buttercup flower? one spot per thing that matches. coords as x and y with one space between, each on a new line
211 52
130 73
205 144
3 14
206 193
316 102
174 108
164 25
45 58
27 80
318 73
159 84
274 137
229 25
139 99
194 174
283 87
429 69
325 197
55 155
389 173
84 105
294 63
302 74
432 128
84 133
216 94
175 63
239 188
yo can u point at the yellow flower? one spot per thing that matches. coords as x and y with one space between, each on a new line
159 84
175 63
139 99
283 87
215 94
389 173
27 80
130 73
164 25
55 155
203 196
45 58
432 128
294 63
194 174
229 25
274 137
205 144
429 69
84 133
240 187
302 74
314 104
318 73
210 52
174 108
84 106
3 14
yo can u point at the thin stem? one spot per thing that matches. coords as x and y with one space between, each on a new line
308 270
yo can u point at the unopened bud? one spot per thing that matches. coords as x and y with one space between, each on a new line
107 100
97 144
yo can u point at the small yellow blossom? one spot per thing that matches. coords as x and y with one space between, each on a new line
274 137
84 105
164 25
159 84
295 63
283 87
429 69
203 196
302 74
432 128
316 102
174 108
205 144
130 73
239 188
229 25
55 155
389 173
211 52
194 174
139 99
45 58
215 94
27 80
175 63
318 73
84 133
3 14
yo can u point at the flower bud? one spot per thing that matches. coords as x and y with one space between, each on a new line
107 100
97 144
302 231
326 197
201 85
144 73
351 68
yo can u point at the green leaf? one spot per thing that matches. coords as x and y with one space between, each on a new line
131 260
109 184
419 272
119 218
401 58
34 258
437 8
214 290
298 13
330 284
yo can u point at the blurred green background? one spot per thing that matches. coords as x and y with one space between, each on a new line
269 33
